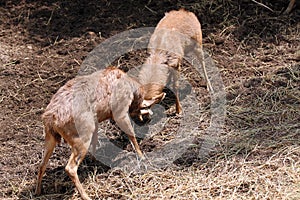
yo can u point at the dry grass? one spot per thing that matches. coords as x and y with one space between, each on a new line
260 179
258 152
223 176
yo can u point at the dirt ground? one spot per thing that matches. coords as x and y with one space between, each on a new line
43 43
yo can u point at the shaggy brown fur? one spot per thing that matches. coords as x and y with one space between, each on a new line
177 33
75 109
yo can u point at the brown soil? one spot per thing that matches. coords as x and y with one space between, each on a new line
43 43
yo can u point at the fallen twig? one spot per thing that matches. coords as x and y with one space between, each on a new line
263 5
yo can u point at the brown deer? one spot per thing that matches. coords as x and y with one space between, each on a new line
176 34
75 109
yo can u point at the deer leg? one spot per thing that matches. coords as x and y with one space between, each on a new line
176 75
94 142
135 145
80 143
200 55
50 143
124 123
78 154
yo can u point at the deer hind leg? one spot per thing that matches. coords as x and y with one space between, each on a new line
200 55
78 153
176 76
50 143
80 142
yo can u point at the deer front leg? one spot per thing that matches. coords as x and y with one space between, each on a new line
176 76
94 142
124 123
